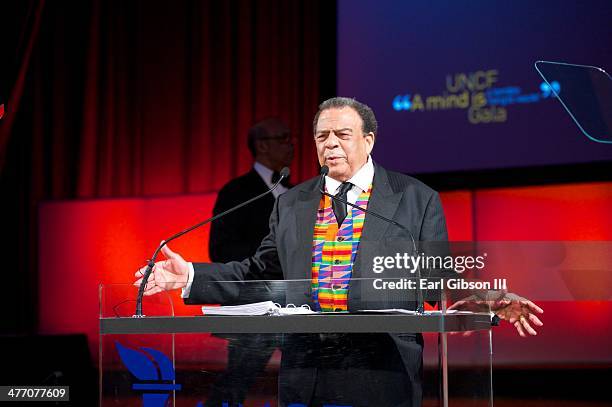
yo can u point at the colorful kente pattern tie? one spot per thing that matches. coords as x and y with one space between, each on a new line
333 253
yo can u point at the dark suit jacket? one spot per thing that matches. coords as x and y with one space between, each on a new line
238 235
285 253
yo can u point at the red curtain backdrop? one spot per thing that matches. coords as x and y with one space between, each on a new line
170 92
146 98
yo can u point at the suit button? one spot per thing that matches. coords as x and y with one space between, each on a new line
337 261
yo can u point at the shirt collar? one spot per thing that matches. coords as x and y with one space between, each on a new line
264 172
362 178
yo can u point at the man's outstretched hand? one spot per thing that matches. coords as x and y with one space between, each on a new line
513 308
168 274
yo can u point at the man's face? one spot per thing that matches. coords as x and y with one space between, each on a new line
281 150
277 147
340 142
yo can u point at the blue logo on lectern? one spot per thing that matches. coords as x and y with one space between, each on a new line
154 371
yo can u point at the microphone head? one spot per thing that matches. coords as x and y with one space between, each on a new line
284 173
324 170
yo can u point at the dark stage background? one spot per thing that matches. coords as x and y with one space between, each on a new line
144 98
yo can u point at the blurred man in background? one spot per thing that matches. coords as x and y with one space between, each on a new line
236 237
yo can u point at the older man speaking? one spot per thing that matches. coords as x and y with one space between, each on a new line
356 369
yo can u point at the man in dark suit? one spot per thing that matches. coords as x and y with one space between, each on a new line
357 370
236 237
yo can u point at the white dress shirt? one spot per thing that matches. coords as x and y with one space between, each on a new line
361 182
266 174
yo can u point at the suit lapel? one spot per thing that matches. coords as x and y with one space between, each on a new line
260 186
383 201
257 180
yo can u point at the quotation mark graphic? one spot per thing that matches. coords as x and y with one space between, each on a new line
402 102
550 90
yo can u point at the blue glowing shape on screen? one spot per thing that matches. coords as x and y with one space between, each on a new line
553 89
402 102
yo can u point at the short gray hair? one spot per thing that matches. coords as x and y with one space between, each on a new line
370 125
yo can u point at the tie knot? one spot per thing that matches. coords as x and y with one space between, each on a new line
338 207
344 188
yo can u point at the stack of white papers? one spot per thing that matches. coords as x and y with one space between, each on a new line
271 308
257 308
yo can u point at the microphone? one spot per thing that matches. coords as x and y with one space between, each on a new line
324 171
284 173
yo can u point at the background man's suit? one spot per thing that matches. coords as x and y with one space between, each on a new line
384 369
236 237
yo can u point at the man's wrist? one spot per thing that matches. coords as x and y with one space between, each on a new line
187 289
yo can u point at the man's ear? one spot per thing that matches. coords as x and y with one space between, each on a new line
370 138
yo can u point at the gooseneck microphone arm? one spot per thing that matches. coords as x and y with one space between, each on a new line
323 173
284 173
